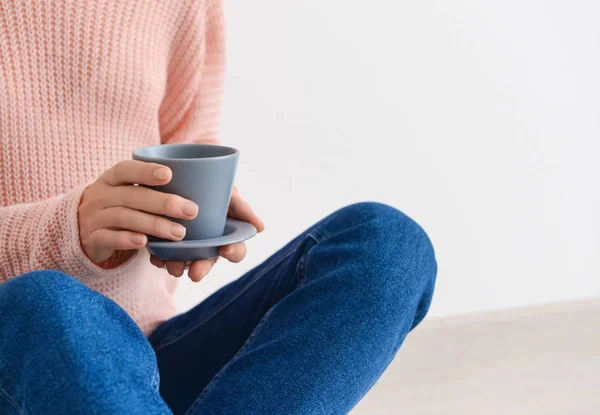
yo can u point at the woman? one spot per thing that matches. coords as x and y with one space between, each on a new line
86 316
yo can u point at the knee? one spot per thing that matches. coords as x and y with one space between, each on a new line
398 258
51 288
56 307
48 298
386 231
39 281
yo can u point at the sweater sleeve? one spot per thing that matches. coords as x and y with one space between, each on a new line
45 235
191 107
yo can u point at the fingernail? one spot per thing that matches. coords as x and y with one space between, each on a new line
161 173
189 209
138 239
229 250
178 231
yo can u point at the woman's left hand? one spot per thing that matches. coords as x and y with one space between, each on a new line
238 209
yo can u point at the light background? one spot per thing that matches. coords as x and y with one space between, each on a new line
480 119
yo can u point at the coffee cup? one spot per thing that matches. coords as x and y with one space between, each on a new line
202 173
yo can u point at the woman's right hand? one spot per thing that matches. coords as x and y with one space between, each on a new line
116 216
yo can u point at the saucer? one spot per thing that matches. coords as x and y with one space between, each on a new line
191 250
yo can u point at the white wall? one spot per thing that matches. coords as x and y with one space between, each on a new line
480 119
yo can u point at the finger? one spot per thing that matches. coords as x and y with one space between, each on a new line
153 201
200 269
157 262
233 253
142 222
176 268
140 172
239 209
117 240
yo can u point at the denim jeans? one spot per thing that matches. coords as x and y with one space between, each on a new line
307 332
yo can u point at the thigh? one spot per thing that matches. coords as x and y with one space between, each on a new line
192 347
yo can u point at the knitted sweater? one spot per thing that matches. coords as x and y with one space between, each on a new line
82 84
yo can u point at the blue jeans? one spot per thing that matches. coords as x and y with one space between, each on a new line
307 332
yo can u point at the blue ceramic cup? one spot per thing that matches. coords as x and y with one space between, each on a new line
203 174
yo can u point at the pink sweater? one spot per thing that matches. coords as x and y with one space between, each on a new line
82 84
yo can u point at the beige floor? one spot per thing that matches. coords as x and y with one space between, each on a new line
543 360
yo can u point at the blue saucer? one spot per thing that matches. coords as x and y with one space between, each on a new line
235 231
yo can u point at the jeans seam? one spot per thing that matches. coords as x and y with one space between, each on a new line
319 234
162 345
300 272
301 266
9 399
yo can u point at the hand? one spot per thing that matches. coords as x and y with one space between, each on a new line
115 216
238 209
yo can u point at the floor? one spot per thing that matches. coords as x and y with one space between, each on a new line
542 360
